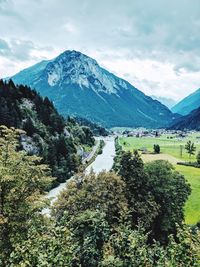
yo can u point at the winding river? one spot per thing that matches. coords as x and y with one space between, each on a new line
102 162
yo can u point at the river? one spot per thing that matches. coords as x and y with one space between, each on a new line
102 162
105 160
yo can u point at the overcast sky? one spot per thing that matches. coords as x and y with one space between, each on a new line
154 44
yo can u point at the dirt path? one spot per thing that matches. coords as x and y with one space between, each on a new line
151 157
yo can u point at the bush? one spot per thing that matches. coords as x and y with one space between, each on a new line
198 157
156 149
189 164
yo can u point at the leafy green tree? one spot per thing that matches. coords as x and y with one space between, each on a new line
156 149
127 247
117 158
142 206
90 231
104 192
190 147
47 244
170 191
22 181
151 191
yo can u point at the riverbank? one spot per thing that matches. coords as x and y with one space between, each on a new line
102 162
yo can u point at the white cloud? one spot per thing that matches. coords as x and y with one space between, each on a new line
154 77
69 27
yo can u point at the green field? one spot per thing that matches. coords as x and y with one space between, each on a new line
171 147
167 145
192 208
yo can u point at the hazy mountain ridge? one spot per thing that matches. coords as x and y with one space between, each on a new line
168 102
189 103
79 86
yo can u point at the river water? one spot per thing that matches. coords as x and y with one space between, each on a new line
102 162
105 160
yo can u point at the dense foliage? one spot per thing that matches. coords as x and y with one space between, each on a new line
48 135
96 128
94 221
151 191
132 216
22 180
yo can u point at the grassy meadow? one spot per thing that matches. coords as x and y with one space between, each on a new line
192 208
167 145
170 150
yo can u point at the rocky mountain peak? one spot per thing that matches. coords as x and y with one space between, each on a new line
72 67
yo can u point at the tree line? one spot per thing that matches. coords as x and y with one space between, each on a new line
131 216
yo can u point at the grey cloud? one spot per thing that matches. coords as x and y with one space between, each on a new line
20 50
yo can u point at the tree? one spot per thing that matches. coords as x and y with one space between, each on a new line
190 148
170 191
151 191
156 149
47 244
103 192
142 207
127 247
89 139
29 127
90 232
22 181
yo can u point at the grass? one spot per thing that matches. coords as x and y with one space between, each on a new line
192 207
167 145
87 148
170 150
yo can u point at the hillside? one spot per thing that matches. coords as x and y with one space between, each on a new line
78 86
188 104
47 133
190 121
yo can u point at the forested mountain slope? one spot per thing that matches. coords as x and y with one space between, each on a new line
190 121
47 133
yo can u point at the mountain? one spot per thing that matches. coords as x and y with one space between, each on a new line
47 135
78 86
188 104
168 102
190 121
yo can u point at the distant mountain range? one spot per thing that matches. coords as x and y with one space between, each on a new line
168 102
79 86
188 104
190 121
